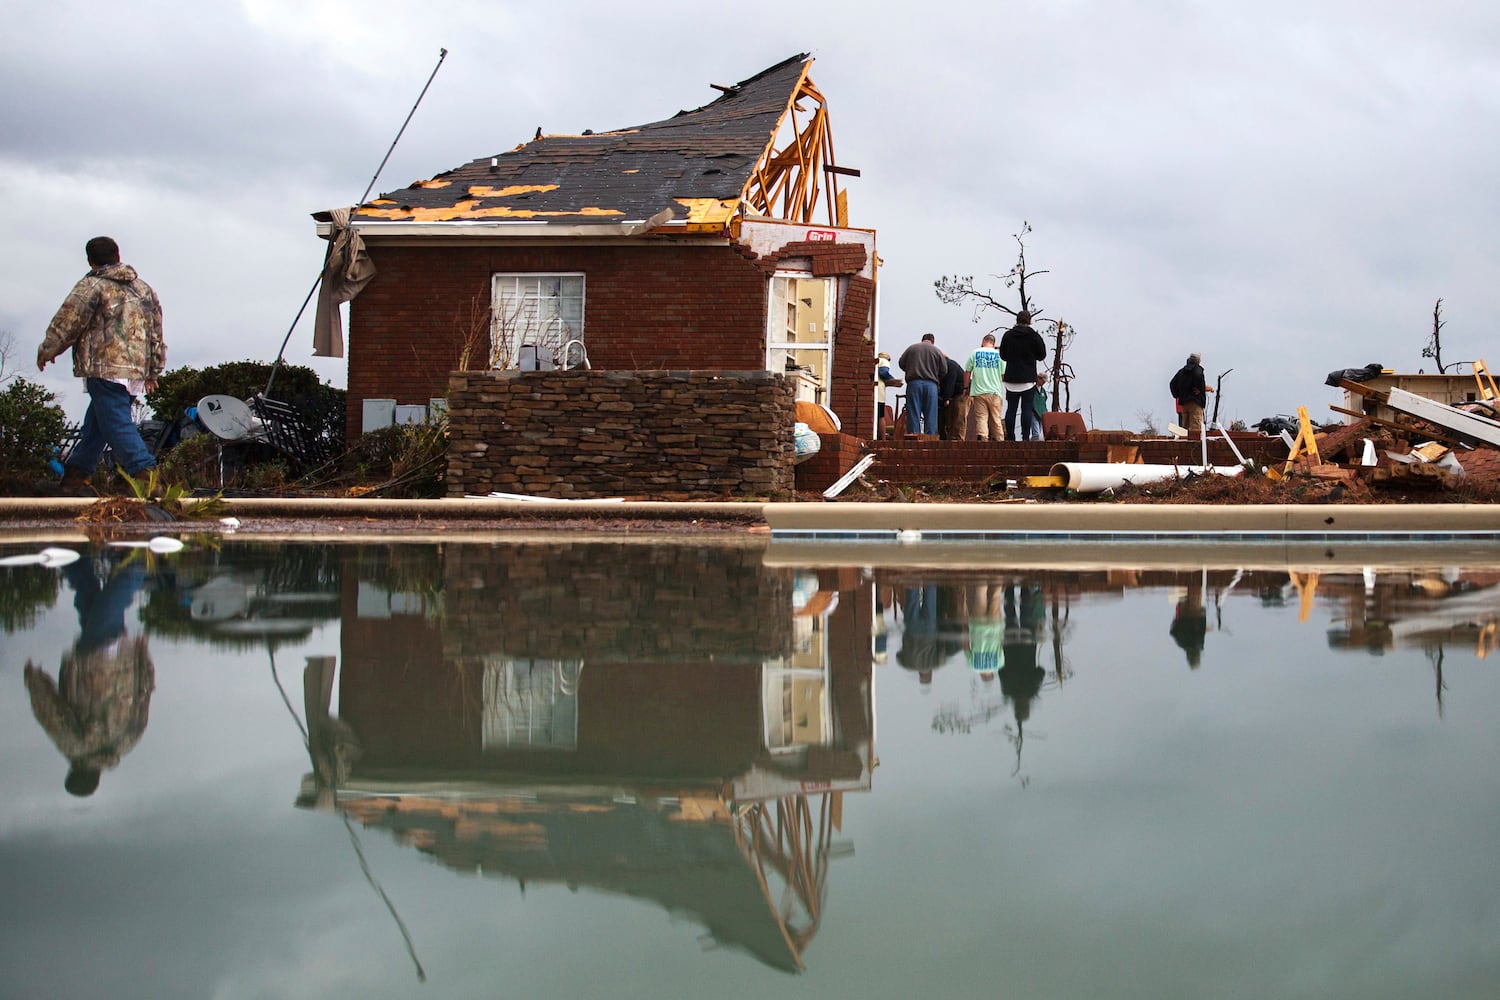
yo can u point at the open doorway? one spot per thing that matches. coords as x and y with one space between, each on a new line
799 332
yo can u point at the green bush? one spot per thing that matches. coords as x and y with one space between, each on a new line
297 385
31 427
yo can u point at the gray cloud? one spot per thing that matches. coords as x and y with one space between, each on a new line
1285 188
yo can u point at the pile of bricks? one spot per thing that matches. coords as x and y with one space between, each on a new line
640 435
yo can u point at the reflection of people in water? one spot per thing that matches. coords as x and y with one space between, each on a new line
1020 677
932 630
986 637
919 636
96 710
1190 624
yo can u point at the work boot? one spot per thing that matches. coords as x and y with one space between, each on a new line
75 483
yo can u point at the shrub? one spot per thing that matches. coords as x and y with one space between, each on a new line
31 427
321 405
406 461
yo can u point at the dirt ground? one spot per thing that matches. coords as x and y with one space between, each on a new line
1209 489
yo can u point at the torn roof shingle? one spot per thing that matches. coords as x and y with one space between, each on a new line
695 164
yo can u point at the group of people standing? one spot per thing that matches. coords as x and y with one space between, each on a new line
1005 371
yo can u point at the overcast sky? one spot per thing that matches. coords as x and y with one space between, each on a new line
1286 187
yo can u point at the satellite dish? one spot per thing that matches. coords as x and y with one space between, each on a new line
220 599
227 418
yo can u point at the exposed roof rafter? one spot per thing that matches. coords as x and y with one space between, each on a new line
762 147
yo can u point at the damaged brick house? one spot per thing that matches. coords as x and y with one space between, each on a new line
716 239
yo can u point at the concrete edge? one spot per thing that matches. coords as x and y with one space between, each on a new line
812 520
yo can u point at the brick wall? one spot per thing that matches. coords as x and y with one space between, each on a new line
647 435
648 306
836 455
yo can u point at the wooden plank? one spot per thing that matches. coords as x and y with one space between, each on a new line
1406 429
1450 418
1360 389
849 477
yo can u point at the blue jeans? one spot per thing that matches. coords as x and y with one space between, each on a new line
921 406
108 422
101 610
1031 424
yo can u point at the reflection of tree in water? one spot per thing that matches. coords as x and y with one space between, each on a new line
25 591
1434 652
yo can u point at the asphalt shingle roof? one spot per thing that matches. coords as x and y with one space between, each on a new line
695 163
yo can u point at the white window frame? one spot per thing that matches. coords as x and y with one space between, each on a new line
535 308
783 318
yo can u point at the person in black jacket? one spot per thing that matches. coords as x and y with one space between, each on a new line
1021 348
953 403
1191 390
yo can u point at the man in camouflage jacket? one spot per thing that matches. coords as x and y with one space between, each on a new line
112 321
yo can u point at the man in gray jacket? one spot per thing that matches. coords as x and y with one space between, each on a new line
924 366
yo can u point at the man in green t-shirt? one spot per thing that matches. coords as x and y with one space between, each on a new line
985 375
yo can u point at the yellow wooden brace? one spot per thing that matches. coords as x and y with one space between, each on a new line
1482 375
1306 442
1306 586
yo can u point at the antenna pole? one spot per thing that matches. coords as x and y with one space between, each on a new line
442 54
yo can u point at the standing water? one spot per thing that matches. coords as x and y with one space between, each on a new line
629 769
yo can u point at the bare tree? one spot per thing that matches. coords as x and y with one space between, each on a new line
474 332
1062 372
7 348
1434 348
957 289
505 328
1219 393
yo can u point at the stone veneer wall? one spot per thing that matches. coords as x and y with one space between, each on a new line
641 435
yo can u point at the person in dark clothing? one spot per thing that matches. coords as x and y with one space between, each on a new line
924 366
1190 389
1021 348
1021 677
1190 625
921 648
953 403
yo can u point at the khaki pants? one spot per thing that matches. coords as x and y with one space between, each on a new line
955 418
989 416
1192 416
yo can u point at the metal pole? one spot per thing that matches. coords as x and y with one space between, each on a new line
442 54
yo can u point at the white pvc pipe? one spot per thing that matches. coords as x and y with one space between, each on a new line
1096 477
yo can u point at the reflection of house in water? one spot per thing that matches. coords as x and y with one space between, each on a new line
677 724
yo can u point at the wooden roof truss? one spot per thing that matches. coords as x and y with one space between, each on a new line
790 180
